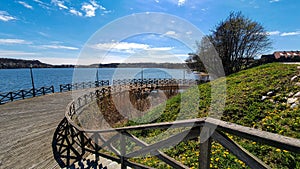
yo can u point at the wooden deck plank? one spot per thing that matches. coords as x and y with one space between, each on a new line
26 130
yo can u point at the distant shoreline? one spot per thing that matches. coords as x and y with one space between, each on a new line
7 63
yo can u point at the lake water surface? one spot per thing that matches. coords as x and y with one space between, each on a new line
17 79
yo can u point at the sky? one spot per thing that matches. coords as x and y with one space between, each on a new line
89 31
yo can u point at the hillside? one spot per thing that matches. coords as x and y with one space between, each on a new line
7 63
264 97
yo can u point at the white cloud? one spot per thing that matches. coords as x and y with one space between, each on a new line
7 53
106 12
13 41
290 33
4 16
75 12
271 1
273 33
181 2
160 49
94 3
26 5
170 33
58 47
173 34
60 4
121 46
129 48
91 8
42 4
44 34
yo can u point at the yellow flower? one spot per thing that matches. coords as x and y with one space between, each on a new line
278 150
253 142
285 151
217 159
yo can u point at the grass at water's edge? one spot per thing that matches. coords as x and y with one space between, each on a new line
244 106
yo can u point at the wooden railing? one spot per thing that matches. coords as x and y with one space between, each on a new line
82 85
72 143
25 93
146 82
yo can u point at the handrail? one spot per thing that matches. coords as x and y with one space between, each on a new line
211 129
24 93
82 85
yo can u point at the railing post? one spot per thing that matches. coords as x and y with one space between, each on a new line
23 96
11 96
82 142
60 88
52 89
69 88
205 148
43 89
32 81
96 148
123 150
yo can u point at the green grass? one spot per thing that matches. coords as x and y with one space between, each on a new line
244 106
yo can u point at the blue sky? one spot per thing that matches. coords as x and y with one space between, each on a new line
56 31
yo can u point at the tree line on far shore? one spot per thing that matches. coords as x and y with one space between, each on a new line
8 63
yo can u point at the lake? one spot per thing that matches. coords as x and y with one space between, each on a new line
17 79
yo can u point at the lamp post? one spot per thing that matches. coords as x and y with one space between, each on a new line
97 75
97 78
32 81
142 73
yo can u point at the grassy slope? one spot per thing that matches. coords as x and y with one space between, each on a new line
243 106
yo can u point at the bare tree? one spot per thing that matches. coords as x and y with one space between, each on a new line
237 40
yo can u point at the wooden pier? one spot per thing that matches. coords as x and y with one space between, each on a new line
40 133
27 128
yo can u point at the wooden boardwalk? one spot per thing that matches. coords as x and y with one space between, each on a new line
26 130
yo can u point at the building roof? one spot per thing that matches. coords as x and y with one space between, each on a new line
286 54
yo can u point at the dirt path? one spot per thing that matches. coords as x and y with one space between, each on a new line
26 131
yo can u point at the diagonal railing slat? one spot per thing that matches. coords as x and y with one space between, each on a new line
171 141
239 151
162 156
272 139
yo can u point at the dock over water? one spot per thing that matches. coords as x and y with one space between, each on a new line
26 130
